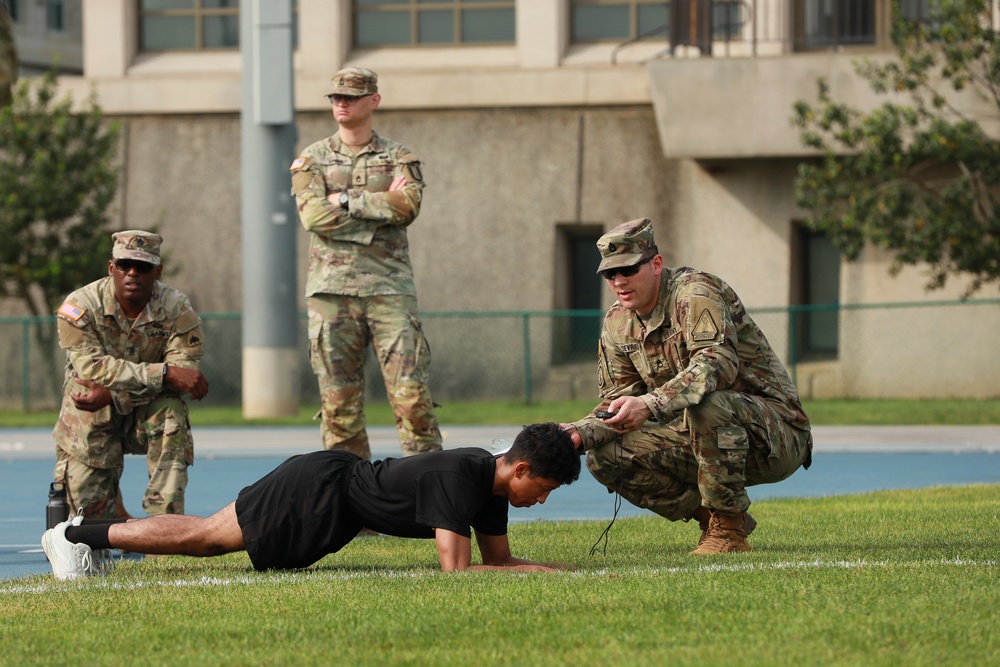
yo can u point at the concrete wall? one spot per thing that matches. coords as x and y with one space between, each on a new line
742 107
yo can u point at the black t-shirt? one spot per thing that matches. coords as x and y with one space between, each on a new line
408 497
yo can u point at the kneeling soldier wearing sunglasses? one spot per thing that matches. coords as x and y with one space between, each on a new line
696 405
132 347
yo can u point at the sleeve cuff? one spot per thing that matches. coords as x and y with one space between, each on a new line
157 377
661 415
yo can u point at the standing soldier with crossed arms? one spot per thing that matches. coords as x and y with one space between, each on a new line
357 193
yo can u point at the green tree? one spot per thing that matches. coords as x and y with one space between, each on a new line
58 177
919 178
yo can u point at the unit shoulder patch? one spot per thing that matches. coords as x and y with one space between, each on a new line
413 171
705 318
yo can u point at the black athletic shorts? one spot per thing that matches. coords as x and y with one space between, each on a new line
298 512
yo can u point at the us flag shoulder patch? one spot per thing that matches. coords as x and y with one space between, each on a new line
70 311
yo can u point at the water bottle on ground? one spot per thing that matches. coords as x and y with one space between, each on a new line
57 510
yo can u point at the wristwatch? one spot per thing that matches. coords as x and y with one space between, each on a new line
344 200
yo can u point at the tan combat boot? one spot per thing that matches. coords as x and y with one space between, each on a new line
703 515
725 533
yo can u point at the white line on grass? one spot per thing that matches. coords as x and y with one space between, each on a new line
273 578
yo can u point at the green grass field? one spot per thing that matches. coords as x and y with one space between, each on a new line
889 578
840 412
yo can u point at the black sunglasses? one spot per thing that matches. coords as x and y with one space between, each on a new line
126 265
626 271
350 99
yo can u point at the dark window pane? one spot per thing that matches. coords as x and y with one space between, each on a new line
219 4
375 3
381 28
915 9
726 19
488 25
653 17
592 23
56 16
579 335
160 33
824 288
221 32
166 4
436 27
834 22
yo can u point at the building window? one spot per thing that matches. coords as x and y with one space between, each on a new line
817 289
432 22
829 23
617 20
173 25
622 20
916 10
579 288
726 20
56 16
13 9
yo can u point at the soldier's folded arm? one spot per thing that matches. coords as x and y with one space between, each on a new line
319 216
316 213
92 362
394 207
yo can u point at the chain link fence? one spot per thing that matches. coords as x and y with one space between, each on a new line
944 349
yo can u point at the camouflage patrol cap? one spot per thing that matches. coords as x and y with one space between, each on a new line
627 244
354 82
138 245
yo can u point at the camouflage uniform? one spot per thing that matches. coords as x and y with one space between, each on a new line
360 286
727 415
145 416
8 56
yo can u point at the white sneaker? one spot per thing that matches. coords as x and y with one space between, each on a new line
68 560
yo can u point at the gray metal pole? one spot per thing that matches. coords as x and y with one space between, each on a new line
267 133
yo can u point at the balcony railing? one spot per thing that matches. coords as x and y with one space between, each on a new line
725 28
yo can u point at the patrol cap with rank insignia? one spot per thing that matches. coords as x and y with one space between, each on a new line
138 245
354 82
627 244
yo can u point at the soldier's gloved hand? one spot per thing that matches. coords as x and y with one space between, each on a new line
92 397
